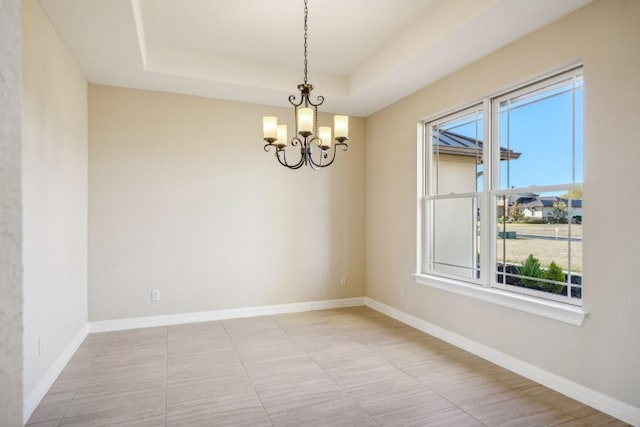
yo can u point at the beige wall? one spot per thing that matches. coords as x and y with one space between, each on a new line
455 244
184 199
602 354
54 179
10 217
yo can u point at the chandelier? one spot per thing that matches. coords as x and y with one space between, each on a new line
307 132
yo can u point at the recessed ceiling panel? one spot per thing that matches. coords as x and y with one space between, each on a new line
342 33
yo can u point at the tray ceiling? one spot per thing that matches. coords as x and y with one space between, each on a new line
363 54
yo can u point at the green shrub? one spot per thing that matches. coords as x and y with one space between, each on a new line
556 274
531 268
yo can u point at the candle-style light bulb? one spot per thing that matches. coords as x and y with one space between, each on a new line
325 137
270 128
341 128
305 121
282 136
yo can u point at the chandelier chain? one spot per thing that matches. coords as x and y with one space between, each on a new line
306 44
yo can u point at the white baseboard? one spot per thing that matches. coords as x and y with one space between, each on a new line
595 399
233 313
32 402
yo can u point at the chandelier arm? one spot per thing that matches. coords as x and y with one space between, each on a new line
267 147
303 155
292 100
302 160
323 155
333 157
315 140
314 165
320 101
344 145
279 159
296 140
283 160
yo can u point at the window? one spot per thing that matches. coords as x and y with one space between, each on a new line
502 192
452 200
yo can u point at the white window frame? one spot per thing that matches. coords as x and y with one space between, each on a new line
487 288
429 193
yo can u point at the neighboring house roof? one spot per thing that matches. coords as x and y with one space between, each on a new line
533 201
448 142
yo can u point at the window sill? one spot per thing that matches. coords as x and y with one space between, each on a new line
550 309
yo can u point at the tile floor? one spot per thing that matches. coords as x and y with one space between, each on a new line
342 367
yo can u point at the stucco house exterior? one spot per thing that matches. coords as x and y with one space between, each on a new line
534 206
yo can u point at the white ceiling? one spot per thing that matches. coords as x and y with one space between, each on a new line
363 54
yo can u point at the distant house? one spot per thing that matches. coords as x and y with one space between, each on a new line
534 206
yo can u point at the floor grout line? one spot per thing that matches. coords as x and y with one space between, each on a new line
246 373
85 379
327 373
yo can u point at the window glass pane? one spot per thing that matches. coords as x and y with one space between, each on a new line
539 241
457 154
455 239
541 137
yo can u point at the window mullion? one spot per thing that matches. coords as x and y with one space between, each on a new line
429 188
486 213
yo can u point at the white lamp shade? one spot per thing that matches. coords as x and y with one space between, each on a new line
341 126
282 136
305 120
325 136
270 127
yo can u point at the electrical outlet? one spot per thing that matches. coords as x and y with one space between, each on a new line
40 346
155 294
343 280
401 291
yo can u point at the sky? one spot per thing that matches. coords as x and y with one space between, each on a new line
541 129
